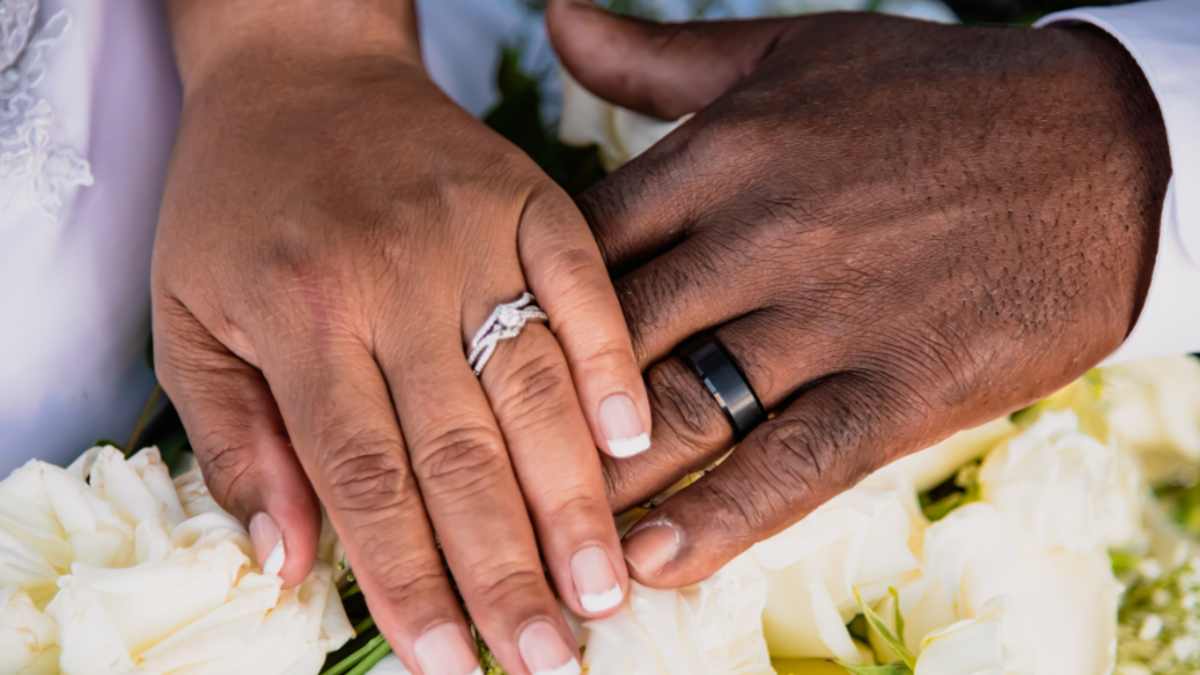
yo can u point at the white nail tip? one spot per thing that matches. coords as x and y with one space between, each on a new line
569 668
274 561
628 447
599 602
477 671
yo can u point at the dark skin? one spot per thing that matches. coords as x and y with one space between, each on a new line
897 229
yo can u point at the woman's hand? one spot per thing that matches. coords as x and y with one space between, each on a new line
334 232
897 229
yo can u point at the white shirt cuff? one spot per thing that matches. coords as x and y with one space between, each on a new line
1163 36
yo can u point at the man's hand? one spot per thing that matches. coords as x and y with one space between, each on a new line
897 229
334 231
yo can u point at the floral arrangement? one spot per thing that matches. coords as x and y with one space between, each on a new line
110 566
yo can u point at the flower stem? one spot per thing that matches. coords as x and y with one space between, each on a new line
131 446
358 657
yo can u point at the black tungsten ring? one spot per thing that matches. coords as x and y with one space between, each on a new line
725 382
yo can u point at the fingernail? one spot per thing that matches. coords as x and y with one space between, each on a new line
444 651
649 550
268 543
622 426
595 581
544 651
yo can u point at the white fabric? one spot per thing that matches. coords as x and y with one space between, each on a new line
74 291
1163 36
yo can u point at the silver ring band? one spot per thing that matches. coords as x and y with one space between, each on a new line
506 322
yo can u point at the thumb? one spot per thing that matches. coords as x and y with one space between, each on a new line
240 442
665 70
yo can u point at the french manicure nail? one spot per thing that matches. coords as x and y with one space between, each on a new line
544 651
650 549
443 650
268 543
622 426
592 572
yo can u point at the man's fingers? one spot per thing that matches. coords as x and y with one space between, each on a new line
569 279
239 440
530 389
690 429
824 443
466 477
341 419
662 70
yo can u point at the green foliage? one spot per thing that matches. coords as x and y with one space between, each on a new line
895 643
1182 503
959 490
487 660
518 118
897 668
1156 625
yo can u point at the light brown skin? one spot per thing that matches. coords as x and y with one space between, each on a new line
897 229
334 231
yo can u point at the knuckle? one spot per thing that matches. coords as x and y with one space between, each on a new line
405 582
366 473
507 583
462 461
535 385
226 467
688 412
739 509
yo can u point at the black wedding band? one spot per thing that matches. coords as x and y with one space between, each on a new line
725 382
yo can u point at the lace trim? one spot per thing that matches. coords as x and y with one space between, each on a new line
26 149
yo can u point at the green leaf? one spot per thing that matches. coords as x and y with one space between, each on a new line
899 619
518 118
105 443
897 668
881 628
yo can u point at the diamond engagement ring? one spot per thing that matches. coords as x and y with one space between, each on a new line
506 322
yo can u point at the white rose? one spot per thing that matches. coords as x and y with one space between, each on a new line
1154 406
1066 607
968 559
1053 484
50 518
155 577
621 134
860 539
988 644
26 636
710 628
931 467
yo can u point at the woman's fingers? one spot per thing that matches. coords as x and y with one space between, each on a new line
470 491
239 440
824 443
339 413
530 390
567 275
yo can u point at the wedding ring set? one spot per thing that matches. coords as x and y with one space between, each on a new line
505 323
706 357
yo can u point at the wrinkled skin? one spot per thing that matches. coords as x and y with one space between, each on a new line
897 229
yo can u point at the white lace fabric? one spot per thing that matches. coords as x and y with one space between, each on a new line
27 149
